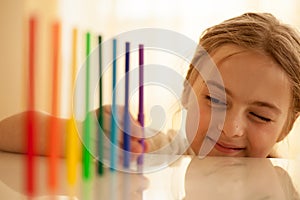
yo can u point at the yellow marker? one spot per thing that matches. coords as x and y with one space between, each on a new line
72 151
72 142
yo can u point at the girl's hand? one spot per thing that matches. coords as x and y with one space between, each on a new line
136 131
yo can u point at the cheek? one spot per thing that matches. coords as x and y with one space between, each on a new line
197 125
261 141
192 124
204 122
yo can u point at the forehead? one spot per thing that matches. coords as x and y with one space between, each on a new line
252 75
235 58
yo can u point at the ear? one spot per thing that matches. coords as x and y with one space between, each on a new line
191 89
185 94
297 115
282 136
286 130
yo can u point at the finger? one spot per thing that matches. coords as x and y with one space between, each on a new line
136 147
135 128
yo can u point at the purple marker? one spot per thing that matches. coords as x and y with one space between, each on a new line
126 134
140 159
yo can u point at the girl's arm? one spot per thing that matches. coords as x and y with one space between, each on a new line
13 132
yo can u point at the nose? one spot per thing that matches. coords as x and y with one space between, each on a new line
234 125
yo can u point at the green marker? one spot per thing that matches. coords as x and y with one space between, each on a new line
86 157
100 116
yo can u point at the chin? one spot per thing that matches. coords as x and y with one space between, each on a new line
215 152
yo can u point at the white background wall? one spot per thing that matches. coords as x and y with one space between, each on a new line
108 17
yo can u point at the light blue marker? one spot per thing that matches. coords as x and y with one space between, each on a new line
114 119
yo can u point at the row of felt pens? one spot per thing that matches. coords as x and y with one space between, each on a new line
72 141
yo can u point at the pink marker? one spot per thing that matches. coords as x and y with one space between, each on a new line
140 159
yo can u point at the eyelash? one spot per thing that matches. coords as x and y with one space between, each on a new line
260 117
215 101
221 103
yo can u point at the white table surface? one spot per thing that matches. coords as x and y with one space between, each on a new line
187 178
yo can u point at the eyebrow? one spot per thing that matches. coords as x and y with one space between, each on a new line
214 83
267 105
255 103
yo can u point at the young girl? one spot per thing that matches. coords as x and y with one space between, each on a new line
258 60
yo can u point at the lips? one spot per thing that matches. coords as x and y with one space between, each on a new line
227 147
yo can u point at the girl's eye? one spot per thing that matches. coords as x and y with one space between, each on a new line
215 101
265 119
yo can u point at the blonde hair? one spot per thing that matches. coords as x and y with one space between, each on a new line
262 32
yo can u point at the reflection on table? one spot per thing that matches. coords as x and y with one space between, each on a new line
188 177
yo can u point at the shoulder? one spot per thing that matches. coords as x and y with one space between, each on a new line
286 184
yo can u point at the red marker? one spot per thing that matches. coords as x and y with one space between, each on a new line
30 181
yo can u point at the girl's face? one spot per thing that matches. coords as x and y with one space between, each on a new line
258 99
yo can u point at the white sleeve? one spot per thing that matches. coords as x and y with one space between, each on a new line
172 143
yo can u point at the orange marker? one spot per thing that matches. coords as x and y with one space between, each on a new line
54 138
